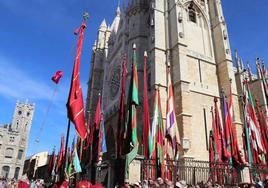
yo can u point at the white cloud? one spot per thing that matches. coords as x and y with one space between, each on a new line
17 83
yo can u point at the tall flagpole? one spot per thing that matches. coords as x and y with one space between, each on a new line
71 99
66 147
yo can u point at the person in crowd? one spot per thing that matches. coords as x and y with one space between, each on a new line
64 184
24 182
160 182
259 183
181 184
265 183
83 184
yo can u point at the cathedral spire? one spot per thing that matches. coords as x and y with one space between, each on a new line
118 12
103 24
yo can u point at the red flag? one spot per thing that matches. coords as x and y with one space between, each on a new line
121 119
146 119
263 127
75 104
97 127
50 163
57 76
88 139
61 154
217 155
100 141
234 144
97 119
211 149
224 154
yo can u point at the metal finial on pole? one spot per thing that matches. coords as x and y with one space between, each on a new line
85 16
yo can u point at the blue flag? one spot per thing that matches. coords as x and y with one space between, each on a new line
76 162
103 143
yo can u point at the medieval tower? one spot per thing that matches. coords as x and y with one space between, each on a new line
190 37
14 141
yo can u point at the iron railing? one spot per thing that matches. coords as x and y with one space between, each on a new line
195 172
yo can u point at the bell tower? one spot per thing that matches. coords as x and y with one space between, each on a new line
22 118
198 52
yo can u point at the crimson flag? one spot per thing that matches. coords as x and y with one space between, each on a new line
121 119
211 149
234 144
50 163
217 144
61 154
57 76
75 104
97 119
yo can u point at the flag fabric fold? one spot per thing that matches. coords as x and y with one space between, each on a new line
253 129
234 147
76 162
153 131
61 154
121 131
75 104
216 143
57 76
172 126
132 144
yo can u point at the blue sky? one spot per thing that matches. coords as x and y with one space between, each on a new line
36 39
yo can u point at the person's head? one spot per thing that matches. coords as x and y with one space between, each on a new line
137 185
64 184
257 179
181 184
160 181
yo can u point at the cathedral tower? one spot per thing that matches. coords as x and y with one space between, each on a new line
190 37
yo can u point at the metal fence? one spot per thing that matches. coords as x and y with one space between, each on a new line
195 172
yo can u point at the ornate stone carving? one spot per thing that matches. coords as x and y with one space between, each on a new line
114 81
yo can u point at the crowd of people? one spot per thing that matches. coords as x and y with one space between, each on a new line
23 182
159 183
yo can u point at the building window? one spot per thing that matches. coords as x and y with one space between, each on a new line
20 154
11 139
17 171
9 153
200 71
206 128
5 171
192 13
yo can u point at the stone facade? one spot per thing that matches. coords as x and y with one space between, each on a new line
191 37
14 141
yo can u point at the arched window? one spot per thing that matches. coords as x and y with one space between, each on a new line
5 171
17 171
192 13
20 154
9 153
